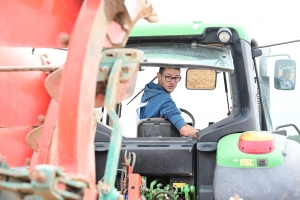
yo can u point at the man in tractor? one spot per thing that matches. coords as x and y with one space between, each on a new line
285 82
157 102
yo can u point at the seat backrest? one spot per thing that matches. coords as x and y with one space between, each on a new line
156 127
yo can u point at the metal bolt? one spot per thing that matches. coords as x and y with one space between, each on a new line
27 161
125 27
41 118
38 176
126 69
104 188
116 54
64 38
190 150
104 69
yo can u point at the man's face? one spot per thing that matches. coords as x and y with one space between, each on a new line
168 86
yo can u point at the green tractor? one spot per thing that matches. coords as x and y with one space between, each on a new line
242 98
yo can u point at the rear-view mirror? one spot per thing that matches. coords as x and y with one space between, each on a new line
200 79
285 74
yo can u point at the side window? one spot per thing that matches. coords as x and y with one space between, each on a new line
277 71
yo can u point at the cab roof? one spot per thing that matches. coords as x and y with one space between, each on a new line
188 28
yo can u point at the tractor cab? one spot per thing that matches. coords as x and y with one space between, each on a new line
212 78
225 92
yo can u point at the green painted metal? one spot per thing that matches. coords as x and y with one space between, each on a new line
116 135
229 155
46 188
41 183
117 65
183 29
119 57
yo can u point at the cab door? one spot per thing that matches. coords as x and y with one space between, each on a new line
277 74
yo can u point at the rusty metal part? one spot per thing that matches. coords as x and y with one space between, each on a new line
126 69
28 68
134 185
128 170
123 15
105 69
130 63
64 38
33 138
44 152
2 178
101 87
78 87
52 83
104 187
41 118
97 115
27 161
38 176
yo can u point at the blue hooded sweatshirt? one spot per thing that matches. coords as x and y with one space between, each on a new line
160 104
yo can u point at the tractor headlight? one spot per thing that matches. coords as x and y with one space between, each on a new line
224 35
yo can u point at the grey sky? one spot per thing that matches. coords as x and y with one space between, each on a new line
267 21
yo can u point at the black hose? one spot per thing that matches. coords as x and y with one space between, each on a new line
133 160
166 192
118 170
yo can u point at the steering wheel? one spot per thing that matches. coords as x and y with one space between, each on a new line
189 114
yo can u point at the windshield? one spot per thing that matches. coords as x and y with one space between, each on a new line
207 106
277 70
186 54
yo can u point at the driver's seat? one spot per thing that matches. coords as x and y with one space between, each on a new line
156 127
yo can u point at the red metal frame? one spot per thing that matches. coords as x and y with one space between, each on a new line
85 27
134 185
44 151
41 22
77 94
14 137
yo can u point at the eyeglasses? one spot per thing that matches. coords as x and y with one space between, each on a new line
169 78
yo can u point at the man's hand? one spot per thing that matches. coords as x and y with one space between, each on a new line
188 130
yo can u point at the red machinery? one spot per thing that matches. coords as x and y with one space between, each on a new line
65 105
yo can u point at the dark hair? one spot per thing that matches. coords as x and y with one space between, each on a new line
162 69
